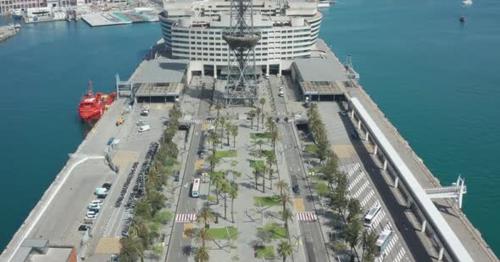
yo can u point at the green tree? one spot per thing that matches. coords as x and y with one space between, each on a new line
285 249
225 189
222 124
286 215
352 232
256 175
251 114
234 133
354 210
201 255
258 112
213 139
270 160
285 199
233 194
369 246
229 126
282 186
131 249
213 160
259 143
262 102
205 215
143 209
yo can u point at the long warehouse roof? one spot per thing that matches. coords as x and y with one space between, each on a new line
446 234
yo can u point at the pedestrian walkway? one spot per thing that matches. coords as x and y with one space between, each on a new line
185 218
307 216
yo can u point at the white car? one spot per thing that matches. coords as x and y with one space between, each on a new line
91 214
281 93
94 206
144 128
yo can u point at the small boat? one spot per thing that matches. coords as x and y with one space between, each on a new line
17 14
92 105
467 2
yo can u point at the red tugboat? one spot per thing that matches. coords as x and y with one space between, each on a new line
92 106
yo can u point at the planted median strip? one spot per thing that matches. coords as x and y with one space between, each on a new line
223 233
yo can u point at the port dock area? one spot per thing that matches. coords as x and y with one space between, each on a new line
454 218
62 208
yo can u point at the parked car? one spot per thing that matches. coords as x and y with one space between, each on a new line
296 189
83 227
144 128
106 185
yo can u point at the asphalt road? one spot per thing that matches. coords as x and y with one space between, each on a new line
179 247
311 234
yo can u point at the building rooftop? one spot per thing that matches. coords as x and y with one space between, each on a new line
159 70
320 70
54 254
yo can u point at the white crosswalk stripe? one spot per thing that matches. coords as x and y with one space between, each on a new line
356 180
306 216
367 198
185 218
400 255
361 189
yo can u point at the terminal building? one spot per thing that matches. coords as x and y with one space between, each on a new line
193 31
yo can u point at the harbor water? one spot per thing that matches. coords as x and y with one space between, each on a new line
435 78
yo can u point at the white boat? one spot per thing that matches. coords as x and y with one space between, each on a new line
17 13
467 2
323 3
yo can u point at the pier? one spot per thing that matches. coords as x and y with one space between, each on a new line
445 228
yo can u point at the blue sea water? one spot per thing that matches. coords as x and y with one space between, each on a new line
435 79
438 82
44 71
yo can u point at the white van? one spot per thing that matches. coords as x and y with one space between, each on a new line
144 128
372 214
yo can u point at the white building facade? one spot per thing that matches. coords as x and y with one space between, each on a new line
193 31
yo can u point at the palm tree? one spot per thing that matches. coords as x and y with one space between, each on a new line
226 189
229 126
201 255
218 107
258 112
234 133
213 138
270 159
206 215
131 248
286 216
233 193
285 249
256 176
274 138
259 143
262 101
285 199
352 232
263 174
222 122
213 160
369 246
282 186
219 183
251 115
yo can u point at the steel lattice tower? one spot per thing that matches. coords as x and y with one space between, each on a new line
241 39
